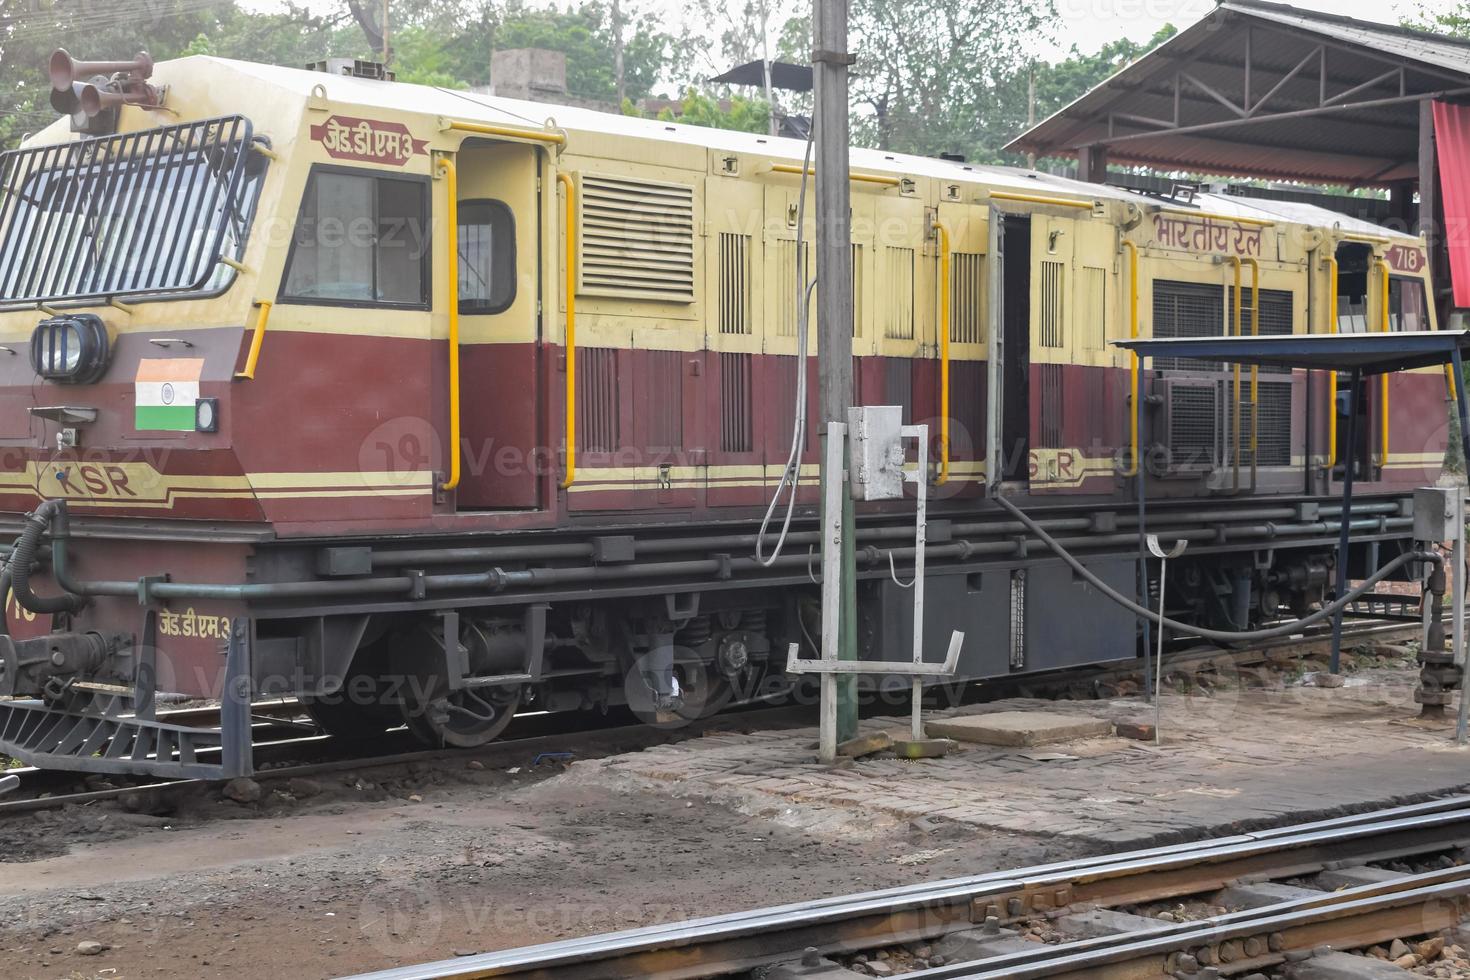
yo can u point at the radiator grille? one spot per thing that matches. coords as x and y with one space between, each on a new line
898 293
734 283
597 399
1273 438
665 400
1277 316
898 384
967 297
736 428
1193 425
1187 309
1050 314
637 239
1092 308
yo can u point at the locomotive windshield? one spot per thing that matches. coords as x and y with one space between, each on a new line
140 214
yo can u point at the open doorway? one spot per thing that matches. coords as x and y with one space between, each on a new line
1015 413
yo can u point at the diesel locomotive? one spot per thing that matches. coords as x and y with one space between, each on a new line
426 407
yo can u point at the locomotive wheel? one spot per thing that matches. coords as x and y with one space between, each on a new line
465 719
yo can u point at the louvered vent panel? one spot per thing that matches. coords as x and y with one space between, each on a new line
784 400
734 283
1051 290
1092 308
597 399
736 428
1051 405
857 290
786 291
967 295
637 239
967 403
665 401
898 292
898 384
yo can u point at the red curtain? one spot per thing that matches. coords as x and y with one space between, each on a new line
1452 142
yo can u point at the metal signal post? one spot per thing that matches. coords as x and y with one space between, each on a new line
830 61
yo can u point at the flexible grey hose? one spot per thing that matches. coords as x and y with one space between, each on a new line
792 474
1223 636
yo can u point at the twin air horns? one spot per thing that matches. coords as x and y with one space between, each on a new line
93 103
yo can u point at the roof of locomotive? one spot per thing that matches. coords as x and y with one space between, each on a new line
477 107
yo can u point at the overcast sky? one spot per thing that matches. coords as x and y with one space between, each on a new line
1089 24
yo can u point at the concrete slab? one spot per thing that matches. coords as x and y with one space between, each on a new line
924 748
1106 922
1260 895
1020 728
1354 877
1345 966
979 944
811 968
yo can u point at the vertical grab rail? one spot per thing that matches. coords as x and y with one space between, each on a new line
1383 379
570 243
1255 369
1235 371
253 358
450 174
1331 375
1132 355
944 314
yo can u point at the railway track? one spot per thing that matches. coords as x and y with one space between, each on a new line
1269 901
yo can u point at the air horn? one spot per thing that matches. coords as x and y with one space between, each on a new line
128 85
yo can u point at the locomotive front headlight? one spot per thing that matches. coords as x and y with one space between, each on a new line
70 349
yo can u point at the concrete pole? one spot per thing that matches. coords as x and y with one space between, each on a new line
830 61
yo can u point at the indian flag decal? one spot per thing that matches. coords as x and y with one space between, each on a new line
164 392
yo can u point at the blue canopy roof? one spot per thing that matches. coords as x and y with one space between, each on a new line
1371 353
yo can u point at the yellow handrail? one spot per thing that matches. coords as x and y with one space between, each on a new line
1255 384
513 132
1383 379
451 272
792 168
253 358
1061 202
944 315
1235 371
1331 375
1132 355
571 342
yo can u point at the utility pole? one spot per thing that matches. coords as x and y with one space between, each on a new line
830 61
617 24
385 33
772 125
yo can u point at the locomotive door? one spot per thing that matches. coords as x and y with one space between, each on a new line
501 363
1054 465
735 327
1008 389
968 322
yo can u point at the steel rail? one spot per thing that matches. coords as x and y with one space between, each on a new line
722 944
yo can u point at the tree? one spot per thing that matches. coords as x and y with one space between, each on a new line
933 75
699 108
1059 84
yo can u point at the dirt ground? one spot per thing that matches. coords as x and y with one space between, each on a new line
355 874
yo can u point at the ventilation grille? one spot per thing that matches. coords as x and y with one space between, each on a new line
1276 316
967 404
665 402
967 296
1193 425
1187 309
1273 438
786 291
597 399
637 239
785 398
734 283
857 290
736 428
1049 322
1051 405
898 291
898 384
1092 308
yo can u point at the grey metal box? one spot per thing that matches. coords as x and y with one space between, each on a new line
1434 514
875 434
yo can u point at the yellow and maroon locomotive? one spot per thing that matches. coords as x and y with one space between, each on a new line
425 406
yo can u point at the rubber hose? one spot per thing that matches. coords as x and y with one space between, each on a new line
5 598
24 555
1223 636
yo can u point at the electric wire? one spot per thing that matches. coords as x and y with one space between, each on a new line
792 473
1222 636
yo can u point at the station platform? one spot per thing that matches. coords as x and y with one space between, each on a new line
1238 756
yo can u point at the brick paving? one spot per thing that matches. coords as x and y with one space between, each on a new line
1237 758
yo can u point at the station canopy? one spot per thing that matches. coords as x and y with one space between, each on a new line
1266 90
1370 353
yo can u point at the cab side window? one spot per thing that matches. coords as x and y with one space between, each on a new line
360 240
487 257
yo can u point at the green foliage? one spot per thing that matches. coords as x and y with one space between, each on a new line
1454 21
699 108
